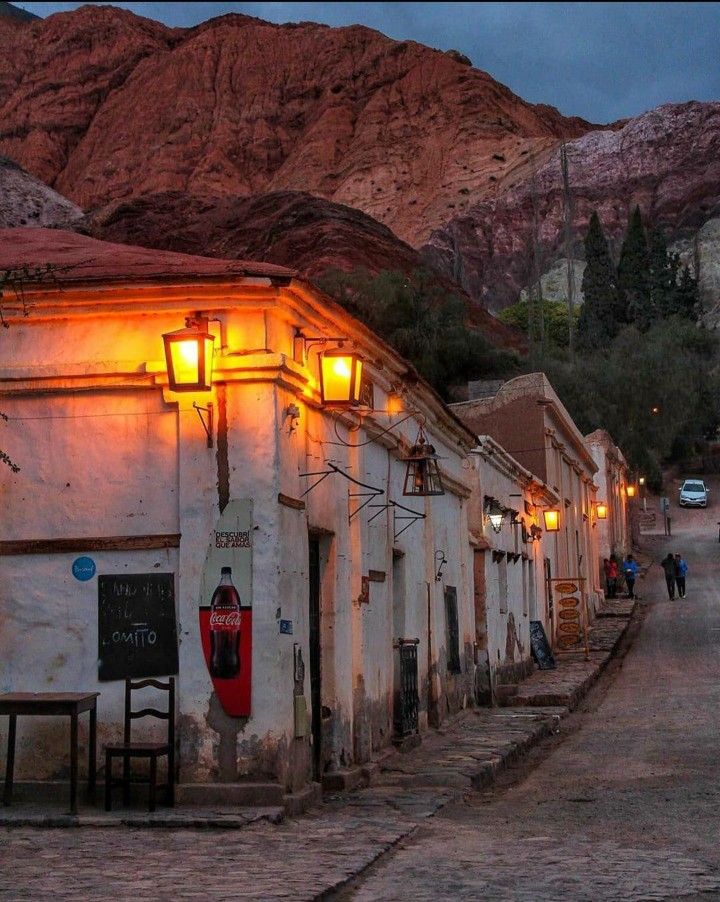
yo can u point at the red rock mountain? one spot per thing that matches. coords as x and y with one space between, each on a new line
104 105
289 228
667 161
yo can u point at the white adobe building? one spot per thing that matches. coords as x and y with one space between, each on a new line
336 566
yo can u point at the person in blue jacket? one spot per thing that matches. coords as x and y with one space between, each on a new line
630 572
681 569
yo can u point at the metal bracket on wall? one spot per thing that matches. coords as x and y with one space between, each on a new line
408 514
369 494
207 426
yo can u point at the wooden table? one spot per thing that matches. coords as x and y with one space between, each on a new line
48 704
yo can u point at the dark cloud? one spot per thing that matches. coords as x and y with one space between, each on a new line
602 61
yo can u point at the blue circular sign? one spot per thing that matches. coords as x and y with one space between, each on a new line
83 568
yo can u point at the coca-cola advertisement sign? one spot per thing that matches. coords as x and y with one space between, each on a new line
226 609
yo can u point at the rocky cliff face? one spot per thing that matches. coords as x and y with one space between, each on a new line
289 228
104 105
26 201
667 161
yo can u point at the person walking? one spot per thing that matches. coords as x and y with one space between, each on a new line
630 569
613 577
670 567
681 570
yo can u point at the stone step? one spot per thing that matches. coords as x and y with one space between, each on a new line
504 692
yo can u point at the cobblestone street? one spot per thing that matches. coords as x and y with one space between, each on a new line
623 808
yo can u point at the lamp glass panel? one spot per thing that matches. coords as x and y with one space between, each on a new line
340 378
601 511
496 521
552 520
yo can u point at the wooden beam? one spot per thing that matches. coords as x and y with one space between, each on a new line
294 503
92 543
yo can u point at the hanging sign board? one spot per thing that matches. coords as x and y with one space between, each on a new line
137 627
571 629
226 608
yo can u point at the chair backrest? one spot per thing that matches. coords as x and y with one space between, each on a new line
169 715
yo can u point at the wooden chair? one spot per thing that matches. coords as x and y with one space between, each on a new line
152 750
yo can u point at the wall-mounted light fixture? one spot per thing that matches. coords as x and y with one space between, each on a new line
422 473
494 513
601 510
189 356
552 520
340 371
340 378
630 489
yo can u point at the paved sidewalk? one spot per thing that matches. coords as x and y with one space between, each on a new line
260 853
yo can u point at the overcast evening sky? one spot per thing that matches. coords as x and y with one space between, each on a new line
601 61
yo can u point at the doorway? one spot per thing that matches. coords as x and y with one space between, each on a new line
315 658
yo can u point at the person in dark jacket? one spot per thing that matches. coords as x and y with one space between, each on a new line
630 572
681 569
670 567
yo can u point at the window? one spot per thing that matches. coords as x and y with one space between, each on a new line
452 630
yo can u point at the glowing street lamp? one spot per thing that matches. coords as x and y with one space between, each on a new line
552 520
189 356
630 491
601 510
340 378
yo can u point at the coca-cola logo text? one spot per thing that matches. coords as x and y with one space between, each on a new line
225 620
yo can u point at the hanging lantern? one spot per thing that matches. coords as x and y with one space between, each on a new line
422 476
601 510
189 356
552 520
340 378
630 491
495 513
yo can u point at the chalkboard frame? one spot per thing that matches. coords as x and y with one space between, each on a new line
126 647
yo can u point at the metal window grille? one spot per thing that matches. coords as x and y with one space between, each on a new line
406 700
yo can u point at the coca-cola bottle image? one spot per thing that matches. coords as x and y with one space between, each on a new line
225 628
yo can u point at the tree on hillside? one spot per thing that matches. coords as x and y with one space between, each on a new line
687 296
415 315
602 314
633 275
523 315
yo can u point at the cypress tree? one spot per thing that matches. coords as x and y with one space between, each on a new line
633 273
662 277
602 314
687 296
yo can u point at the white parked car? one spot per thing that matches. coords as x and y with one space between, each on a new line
694 493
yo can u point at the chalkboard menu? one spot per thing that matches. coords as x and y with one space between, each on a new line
540 647
137 629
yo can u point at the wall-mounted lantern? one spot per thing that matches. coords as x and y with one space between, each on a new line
601 510
494 512
422 475
630 491
552 520
189 356
340 378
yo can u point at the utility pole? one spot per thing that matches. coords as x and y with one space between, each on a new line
567 198
535 298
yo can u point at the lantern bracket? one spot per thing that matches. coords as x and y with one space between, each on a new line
308 340
207 425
